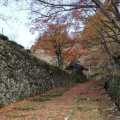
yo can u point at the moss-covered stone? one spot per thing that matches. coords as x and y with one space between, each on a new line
114 87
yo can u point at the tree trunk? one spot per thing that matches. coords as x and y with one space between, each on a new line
58 53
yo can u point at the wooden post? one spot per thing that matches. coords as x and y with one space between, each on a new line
2 31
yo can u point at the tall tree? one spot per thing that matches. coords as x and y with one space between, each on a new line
54 40
99 30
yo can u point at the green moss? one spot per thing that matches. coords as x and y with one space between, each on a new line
48 96
90 99
56 93
41 99
26 106
14 116
22 108
84 109
46 66
51 95
97 71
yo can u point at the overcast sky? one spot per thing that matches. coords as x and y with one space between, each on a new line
15 26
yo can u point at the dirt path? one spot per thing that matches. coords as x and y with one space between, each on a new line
79 101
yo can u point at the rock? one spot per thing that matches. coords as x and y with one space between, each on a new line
110 116
103 91
114 105
117 118
109 99
110 109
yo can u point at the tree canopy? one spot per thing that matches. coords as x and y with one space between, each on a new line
88 22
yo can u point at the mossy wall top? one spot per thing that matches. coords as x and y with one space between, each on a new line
22 76
114 87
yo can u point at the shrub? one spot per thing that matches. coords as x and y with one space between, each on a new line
97 71
28 51
3 37
16 44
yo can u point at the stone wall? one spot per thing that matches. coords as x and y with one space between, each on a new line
113 85
22 76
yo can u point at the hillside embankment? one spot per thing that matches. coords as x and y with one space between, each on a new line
22 75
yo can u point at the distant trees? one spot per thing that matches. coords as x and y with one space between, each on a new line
99 30
54 40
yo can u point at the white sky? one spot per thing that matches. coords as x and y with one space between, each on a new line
16 28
